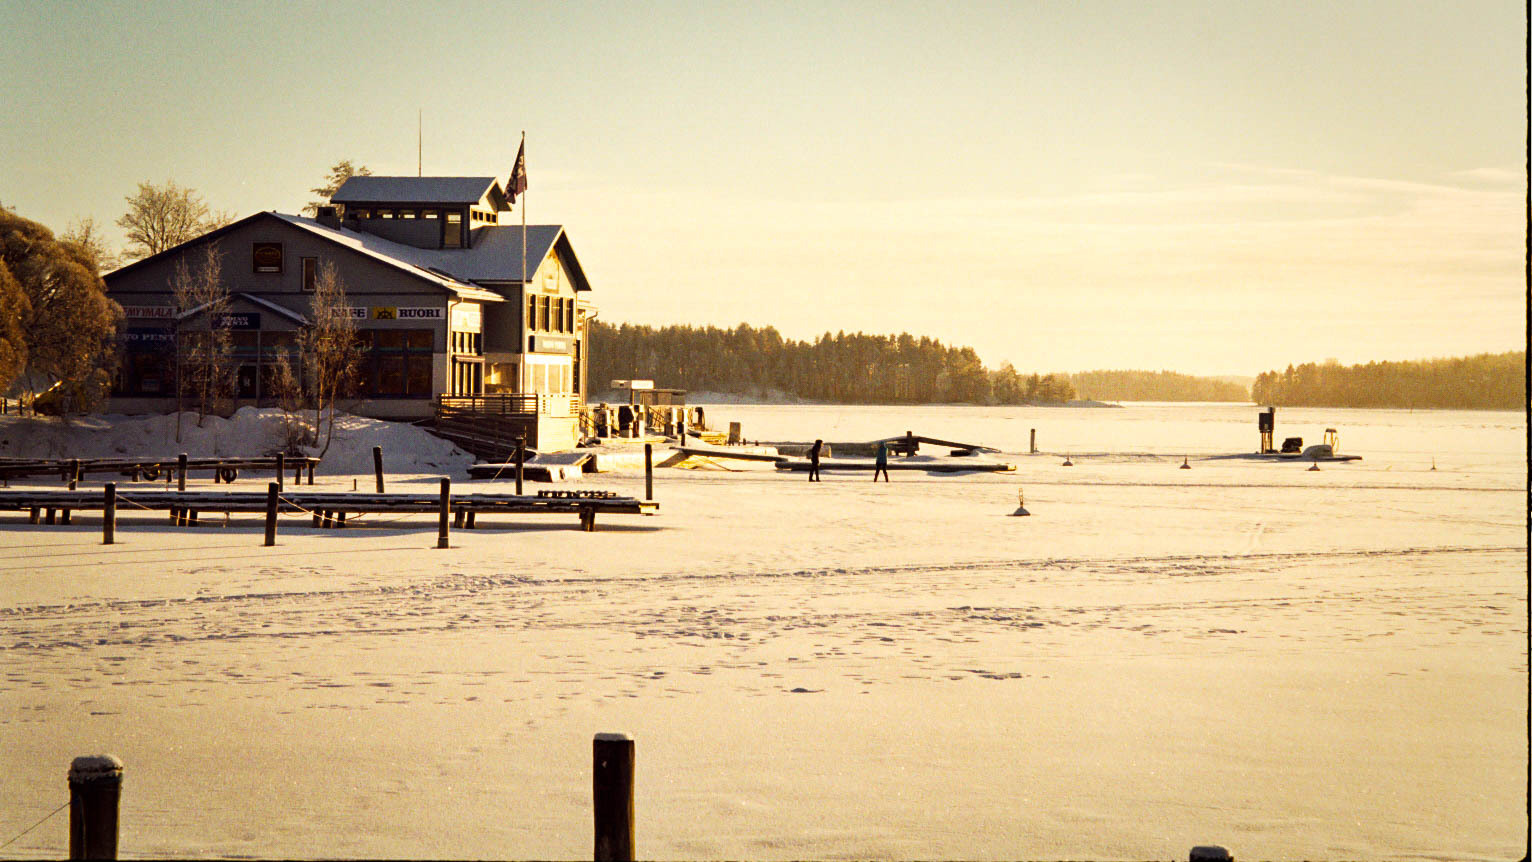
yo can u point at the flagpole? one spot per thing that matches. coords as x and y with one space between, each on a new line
526 289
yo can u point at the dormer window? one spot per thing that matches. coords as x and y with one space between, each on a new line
359 213
406 214
452 230
428 214
385 213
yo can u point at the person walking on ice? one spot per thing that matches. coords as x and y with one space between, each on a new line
814 460
880 464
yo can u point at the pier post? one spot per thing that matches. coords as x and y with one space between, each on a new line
95 786
612 786
109 514
377 466
1210 853
74 480
446 508
1034 441
648 471
281 470
181 472
521 455
272 489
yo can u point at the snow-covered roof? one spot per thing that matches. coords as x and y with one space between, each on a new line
414 190
430 264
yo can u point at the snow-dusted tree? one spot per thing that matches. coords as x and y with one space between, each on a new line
85 236
14 309
339 172
204 346
329 352
161 217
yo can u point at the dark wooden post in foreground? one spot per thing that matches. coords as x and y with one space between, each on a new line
281 470
95 785
377 466
109 515
74 480
441 526
1210 853
612 786
648 471
272 489
181 472
521 456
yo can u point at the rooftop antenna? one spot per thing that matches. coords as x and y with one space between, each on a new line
419 137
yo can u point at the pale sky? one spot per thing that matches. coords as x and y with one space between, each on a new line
1215 188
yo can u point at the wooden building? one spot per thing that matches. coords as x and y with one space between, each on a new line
446 307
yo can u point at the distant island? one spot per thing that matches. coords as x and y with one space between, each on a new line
1156 386
1487 381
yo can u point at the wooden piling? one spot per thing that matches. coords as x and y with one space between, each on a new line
281 470
95 787
521 457
74 480
181 472
377 466
1034 441
272 490
648 471
1210 853
612 792
109 514
446 509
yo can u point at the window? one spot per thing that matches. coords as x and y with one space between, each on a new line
428 214
266 257
396 363
310 273
544 316
359 213
452 230
531 312
385 213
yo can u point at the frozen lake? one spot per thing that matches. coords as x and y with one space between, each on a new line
1292 664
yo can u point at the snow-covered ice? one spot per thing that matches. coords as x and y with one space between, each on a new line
1287 663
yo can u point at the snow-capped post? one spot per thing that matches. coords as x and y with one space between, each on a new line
74 479
446 508
95 786
377 466
272 490
1210 853
181 472
648 471
281 469
612 792
109 514
521 456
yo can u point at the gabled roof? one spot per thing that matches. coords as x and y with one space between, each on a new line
414 190
256 301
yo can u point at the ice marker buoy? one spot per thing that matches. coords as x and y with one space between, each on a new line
1067 462
1185 465
1315 468
1021 504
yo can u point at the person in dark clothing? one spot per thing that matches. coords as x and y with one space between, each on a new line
624 419
880 464
814 460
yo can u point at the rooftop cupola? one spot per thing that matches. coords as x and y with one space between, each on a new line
425 212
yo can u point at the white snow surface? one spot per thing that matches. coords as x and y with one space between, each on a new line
1286 663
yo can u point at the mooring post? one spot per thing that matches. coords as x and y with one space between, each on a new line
446 508
1210 853
109 514
377 466
648 471
74 480
612 786
281 471
521 456
311 472
95 786
181 472
1034 441
272 489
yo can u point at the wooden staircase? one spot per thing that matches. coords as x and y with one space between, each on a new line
486 425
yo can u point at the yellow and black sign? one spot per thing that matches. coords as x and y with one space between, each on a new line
385 312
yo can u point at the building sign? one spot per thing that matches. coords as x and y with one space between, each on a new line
239 320
148 312
267 256
400 312
467 318
549 344
355 312
149 339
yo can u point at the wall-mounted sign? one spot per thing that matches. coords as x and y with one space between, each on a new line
149 339
467 318
400 312
148 312
549 344
237 320
267 256
355 312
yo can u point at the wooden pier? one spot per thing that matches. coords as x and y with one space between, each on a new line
151 469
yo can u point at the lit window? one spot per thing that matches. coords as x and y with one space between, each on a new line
385 213
428 213
406 214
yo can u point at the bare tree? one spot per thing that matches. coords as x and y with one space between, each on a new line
87 238
339 172
161 217
204 353
329 351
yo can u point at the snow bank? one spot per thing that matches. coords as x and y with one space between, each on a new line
250 432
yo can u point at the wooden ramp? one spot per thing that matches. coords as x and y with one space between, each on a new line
543 467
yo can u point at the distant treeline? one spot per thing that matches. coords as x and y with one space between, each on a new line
1155 386
1488 381
848 368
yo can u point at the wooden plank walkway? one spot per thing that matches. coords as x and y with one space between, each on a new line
328 508
224 469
